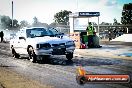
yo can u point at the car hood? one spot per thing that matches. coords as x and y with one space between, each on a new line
47 39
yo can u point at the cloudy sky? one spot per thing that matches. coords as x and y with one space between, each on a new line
44 10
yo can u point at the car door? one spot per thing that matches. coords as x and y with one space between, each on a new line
20 43
22 48
15 43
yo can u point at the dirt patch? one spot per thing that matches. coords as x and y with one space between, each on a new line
10 79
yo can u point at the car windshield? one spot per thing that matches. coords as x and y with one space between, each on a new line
37 32
54 31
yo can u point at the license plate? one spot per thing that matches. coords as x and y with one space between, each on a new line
59 51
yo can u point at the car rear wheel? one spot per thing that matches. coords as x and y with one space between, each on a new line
69 56
14 53
32 55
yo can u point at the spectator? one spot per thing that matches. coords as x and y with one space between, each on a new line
2 36
90 33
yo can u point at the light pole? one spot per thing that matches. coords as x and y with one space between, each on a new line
12 13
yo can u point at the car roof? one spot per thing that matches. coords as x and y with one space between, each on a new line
26 28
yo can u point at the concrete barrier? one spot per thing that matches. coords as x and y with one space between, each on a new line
124 38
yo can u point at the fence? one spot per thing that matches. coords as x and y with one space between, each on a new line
104 30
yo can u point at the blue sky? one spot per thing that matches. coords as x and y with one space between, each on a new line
44 10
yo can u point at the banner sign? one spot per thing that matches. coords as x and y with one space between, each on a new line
82 77
89 14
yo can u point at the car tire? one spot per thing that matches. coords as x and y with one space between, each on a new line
14 53
32 55
69 56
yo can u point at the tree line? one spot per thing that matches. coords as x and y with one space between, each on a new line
62 18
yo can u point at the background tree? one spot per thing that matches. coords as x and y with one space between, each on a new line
6 22
24 23
62 17
15 24
35 22
127 14
115 22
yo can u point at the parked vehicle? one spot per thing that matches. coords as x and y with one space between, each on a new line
39 42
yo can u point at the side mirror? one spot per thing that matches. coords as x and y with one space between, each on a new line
61 36
22 38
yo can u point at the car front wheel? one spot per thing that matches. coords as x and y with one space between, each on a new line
69 56
32 55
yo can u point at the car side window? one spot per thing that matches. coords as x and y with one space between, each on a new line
53 31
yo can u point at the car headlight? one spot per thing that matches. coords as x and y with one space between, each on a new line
45 45
70 43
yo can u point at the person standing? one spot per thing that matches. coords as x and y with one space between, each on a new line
90 33
2 36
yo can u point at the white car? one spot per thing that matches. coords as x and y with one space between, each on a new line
39 42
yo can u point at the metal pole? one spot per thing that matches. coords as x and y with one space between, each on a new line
127 29
12 13
98 24
73 24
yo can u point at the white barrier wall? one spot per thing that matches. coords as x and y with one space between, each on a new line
124 38
7 33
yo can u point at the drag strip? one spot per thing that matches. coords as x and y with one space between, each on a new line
60 73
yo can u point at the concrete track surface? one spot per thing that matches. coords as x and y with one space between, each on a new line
60 73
